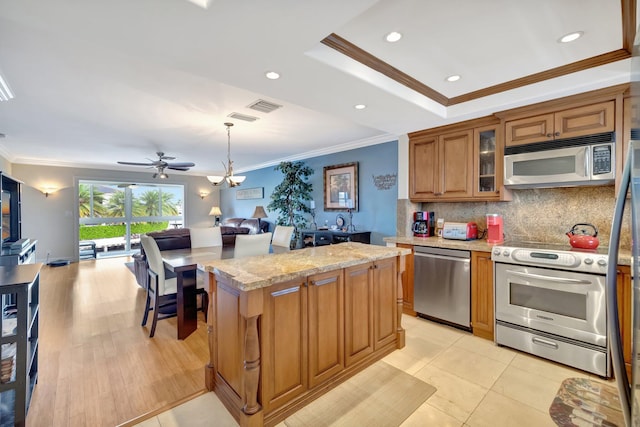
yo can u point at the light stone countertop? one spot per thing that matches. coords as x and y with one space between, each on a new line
265 270
624 255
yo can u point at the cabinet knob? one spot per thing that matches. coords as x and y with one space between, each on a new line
549 135
557 134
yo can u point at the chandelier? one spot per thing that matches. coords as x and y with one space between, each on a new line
229 177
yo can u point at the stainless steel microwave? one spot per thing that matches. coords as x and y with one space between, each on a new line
566 163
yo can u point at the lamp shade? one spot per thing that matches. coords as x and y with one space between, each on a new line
215 211
259 212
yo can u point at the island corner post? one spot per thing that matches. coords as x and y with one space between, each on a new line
235 369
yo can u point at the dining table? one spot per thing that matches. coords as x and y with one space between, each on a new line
184 264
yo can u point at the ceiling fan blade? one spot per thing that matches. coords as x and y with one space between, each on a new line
181 165
136 164
176 168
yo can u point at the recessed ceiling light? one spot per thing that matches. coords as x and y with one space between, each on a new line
571 37
393 37
453 78
360 106
272 75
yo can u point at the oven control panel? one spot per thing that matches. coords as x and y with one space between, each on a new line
566 260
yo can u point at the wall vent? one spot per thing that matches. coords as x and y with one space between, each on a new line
243 117
264 106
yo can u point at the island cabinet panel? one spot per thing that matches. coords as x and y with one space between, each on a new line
385 295
284 343
326 326
358 300
231 329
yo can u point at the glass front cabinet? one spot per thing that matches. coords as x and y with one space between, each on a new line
485 141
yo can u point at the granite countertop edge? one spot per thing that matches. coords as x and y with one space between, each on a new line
624 255
251 273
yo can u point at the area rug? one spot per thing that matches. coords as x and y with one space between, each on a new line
584 402
381 396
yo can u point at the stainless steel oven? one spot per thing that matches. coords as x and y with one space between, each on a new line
551 302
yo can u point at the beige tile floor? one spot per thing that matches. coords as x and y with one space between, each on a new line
478 383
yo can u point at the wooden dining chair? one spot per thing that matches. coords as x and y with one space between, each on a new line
282 236
251 245
202 237
161 288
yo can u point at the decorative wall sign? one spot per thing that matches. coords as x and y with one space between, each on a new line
250 193
341 187
385 182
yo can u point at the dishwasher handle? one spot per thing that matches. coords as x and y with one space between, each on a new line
448 258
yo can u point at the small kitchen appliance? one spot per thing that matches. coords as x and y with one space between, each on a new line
495 231
583 236
422 224
460 230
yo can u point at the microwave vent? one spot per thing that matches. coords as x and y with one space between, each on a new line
598 138
635 133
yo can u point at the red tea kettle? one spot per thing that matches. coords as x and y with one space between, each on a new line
581 238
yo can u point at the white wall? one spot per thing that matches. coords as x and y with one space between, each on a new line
53 220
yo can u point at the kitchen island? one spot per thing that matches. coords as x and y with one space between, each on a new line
286 328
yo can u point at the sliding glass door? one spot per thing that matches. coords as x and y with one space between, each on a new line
113 215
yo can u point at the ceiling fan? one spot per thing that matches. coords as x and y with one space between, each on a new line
161 165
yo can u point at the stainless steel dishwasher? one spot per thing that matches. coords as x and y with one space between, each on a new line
442 285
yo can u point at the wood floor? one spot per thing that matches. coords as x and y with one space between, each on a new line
97 365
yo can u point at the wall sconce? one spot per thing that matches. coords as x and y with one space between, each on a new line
48 190
203 194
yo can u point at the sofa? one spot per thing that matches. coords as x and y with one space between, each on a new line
230 227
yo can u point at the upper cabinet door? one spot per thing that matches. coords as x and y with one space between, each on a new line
528 130
456 162
423 161
588 120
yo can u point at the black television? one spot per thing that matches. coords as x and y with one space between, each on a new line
10 210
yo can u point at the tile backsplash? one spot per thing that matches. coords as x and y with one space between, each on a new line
540 215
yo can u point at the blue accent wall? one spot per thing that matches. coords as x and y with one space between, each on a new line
377 207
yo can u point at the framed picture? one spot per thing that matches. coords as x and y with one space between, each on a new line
341 187
250 193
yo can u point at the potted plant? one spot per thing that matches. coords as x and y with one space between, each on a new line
290 196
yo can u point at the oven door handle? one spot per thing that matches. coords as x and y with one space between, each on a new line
550 279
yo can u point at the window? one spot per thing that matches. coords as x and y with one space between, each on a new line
114 215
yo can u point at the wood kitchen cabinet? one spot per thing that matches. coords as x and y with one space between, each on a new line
461 162
569 123
482 310
284 352
624 294
358 322
385 293
440 166
326 326
407 282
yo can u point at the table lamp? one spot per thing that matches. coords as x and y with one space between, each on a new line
259 213
215 211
